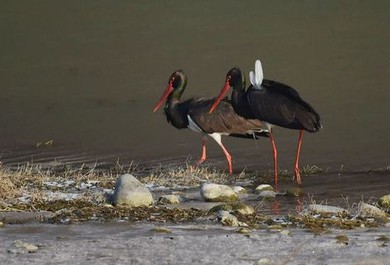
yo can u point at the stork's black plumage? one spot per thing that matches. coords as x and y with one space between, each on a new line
273 103
193 114
281 105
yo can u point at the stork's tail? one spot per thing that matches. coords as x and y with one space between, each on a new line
256 78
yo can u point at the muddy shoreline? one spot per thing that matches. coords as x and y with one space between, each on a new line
52 212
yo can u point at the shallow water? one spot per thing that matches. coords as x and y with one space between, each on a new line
88 74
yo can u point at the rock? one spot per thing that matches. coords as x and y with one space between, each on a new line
239 189
326 209
228 219
342 239
234 207
217 193
268 194
1 224
384 201
243 208
367 210
21 247
169 199
130 192
244 231
285 232
264 187
275 227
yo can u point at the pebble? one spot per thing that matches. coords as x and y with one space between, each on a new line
264 187
21 247
384 201
234 207
244 231
239 190
227 218
217 193
130 192
368 210
326 209
268 194
342 239
169 199
285 232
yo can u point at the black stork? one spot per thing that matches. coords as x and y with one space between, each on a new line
273 103
193 114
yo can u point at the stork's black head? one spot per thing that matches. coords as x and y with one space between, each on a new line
176 85
234 79
178 79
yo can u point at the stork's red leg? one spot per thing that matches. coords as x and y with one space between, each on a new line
203 157
275 156
217 138
228 158
296 168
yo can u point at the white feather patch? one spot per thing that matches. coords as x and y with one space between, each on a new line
259 72
252 78
257 77
216 137
192 125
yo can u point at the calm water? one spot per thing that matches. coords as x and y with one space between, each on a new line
87 74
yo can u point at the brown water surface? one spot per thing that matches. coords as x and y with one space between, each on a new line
87 74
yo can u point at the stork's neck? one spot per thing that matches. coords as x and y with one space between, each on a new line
241 104
179 87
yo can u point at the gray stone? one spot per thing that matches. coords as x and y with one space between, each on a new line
326 209
169 199
217 193
228 219
21 247
234 207
384 201
264 187
130 192
268 194
368 210
285 232
239 190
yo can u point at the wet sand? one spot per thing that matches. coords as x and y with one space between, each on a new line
121 243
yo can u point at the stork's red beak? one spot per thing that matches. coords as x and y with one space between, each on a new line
221 95
164 97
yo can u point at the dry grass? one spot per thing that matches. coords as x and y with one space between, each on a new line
28 188
186 176
31 183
